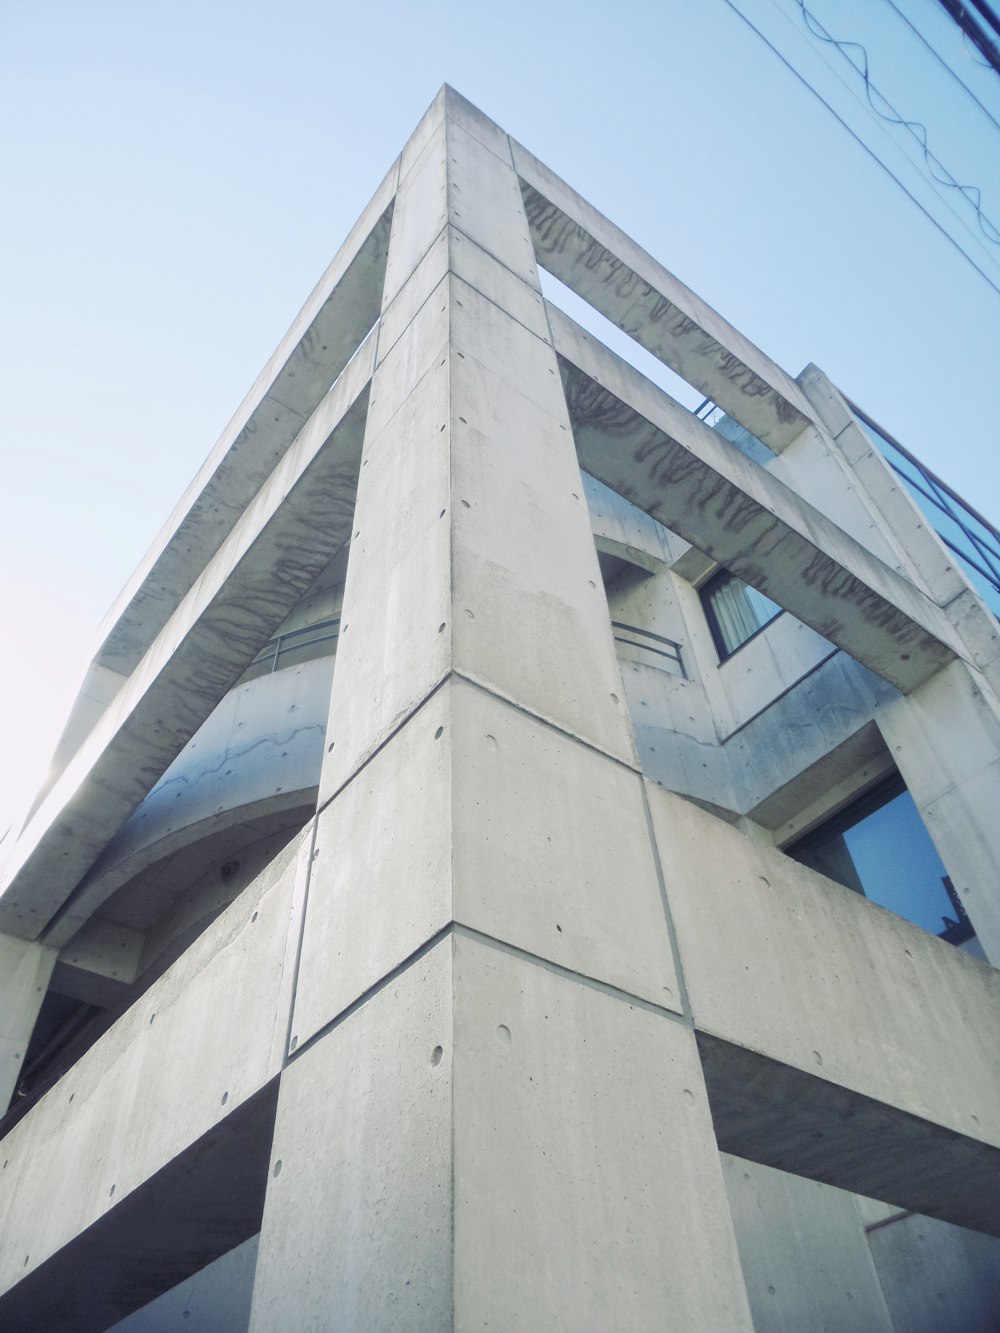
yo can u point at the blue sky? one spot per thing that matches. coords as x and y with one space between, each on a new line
175 178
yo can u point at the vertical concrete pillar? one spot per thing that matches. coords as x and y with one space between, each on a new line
25 969
944 739
493 1112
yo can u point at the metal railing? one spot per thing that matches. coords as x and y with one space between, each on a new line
657 644
296 639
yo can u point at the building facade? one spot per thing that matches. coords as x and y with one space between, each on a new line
525 854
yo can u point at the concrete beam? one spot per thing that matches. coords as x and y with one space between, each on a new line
24 976
839 1041
607 268
199 1206
640 442
284 540
332 324
130 1122
786 1118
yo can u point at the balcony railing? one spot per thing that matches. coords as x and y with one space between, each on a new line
649 643
294 641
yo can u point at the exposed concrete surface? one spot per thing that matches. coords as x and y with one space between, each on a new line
772 662
803 729
214 1300
197 1207
260 750
588 1192
24 976
804 1256
284 540
937 1278
840 1041
323 338
641 443
784 1117
434 579
477 988
587 252
173 1067
945 740
477 812
781 960
357 1229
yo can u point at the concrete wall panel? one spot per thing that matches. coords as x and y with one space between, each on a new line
783 961
937 1278
805 1259
357 1230
588 1193
477 812
24 976
204 1037
214 1300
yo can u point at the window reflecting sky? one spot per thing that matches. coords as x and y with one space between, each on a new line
898 865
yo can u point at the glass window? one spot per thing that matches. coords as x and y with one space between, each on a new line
735 611
878 846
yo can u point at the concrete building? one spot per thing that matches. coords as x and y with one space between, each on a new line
545 965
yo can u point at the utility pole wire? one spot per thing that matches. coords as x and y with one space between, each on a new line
936 169
873 155
944 64
957 10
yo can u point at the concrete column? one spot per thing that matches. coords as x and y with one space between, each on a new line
493 1111
944 739
25 969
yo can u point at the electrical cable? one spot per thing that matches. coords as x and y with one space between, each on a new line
957 10
987 14
944 64
962 222
917 131
857 138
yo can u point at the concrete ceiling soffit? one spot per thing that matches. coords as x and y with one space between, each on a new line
603 265
325 335
283 541
643 444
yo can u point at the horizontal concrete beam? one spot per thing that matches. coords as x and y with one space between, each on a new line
199 1206
786 1118
607 268
643 444
335 319
839 1041
285 539
122 1145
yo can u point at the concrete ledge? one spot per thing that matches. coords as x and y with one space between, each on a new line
783 1117
285 539
201 1042
607 268
207 1200
643 444
336 317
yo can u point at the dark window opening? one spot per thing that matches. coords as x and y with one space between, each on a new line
878 846
735 612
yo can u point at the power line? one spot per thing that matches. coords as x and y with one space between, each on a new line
857 138
973 31
944 64
987 14
917 131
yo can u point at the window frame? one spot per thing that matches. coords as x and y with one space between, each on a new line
705 591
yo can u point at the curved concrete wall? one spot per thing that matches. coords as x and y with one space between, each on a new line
259 752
